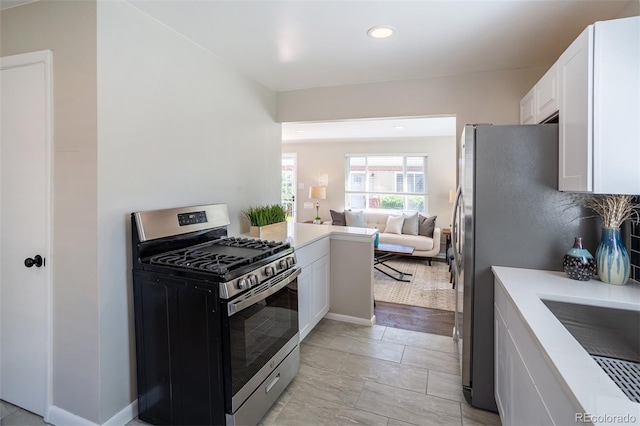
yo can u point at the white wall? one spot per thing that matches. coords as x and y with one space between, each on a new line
329 157
69 29
487 97
177 126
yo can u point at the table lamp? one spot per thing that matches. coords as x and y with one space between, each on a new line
318 193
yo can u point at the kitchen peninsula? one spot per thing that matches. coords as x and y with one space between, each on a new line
337 273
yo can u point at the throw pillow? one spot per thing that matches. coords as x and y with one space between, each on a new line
337 218
354 218
394 224
410 225
426 225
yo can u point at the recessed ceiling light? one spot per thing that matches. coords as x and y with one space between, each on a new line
381 31
299 131
399 127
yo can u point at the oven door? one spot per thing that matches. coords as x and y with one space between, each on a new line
260 330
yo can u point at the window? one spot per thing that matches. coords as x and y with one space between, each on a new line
386 182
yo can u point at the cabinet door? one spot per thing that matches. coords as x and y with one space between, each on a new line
576 103
501 374
304 301
616 106
525 404
320 298
178 351
528 108
546 94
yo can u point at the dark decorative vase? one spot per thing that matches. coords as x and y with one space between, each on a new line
613 258
578 263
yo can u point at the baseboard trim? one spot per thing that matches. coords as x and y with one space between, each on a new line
124 416
350 319
58 416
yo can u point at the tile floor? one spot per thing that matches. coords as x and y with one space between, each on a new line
356 375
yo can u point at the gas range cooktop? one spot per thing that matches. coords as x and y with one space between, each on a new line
220 256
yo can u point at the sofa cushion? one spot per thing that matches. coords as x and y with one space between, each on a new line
426 225
353 218
394 224
418 242
337 218
376 220
410 225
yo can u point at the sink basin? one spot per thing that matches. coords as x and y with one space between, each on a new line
611 336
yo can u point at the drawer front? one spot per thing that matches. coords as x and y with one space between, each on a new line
308 254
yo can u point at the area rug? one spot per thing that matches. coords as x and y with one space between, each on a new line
429 286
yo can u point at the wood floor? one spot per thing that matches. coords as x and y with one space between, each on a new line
415 318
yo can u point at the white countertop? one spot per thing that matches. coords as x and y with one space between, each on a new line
301 234
592 388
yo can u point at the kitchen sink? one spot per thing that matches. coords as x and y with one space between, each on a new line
611 336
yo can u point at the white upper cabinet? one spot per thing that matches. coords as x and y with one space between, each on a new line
528 108
546 94
575 123
599 85
541 102
616 107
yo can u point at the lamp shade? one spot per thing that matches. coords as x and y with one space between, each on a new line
318 192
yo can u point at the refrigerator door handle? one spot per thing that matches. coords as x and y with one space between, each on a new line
455 238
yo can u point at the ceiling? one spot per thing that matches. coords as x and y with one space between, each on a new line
289 45
298 44
301 44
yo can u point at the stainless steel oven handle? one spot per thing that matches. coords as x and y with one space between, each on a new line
237 306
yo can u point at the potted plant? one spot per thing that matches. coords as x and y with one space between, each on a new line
612 257
267 221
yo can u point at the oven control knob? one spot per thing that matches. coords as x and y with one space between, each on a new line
291 261
253 280
283 264
269 271
243 284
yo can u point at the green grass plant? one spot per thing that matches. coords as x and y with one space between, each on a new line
265 215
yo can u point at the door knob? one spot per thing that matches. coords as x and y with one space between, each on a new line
37 260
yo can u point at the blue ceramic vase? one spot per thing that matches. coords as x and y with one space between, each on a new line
578 263
612 258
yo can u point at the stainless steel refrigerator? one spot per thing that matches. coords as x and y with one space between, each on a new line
508 212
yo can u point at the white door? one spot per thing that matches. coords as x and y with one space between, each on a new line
25 217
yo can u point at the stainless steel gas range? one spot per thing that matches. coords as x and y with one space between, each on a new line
216 318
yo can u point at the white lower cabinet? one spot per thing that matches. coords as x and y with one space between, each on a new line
313 284
320 289
304 301
518 396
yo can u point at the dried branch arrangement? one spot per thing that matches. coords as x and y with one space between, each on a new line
612 209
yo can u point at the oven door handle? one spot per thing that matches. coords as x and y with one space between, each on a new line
243 303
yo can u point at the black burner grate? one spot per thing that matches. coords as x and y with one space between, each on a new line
250 243
200 260
220 256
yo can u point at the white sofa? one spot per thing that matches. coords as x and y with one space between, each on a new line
423 246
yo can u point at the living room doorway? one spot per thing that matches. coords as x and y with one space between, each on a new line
289 184
321 147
